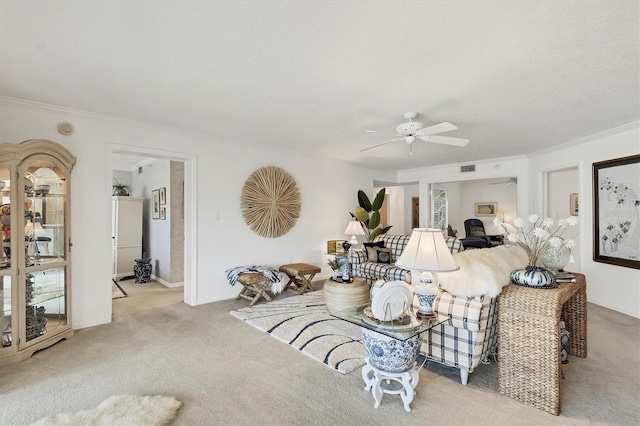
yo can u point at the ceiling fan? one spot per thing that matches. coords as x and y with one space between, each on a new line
412 130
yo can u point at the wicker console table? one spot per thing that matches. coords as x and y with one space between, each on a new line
529 340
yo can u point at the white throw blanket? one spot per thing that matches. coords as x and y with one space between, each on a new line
276 277
483 271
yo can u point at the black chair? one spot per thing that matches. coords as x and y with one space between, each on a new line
474 232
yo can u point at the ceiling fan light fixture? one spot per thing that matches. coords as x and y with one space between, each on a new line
409 128
412 130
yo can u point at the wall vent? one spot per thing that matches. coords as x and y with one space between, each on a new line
468 168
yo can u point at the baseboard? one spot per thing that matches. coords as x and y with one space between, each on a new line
167 284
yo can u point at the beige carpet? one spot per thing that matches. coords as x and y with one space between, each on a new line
303 323
227 373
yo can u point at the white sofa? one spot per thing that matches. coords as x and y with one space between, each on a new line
471 297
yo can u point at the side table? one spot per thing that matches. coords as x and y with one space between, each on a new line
339 296
529 340
376 380
379 383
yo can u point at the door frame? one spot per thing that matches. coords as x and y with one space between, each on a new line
190 215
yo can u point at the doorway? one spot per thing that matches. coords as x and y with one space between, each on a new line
560 200
185 210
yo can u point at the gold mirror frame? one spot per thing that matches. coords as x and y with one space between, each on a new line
270 202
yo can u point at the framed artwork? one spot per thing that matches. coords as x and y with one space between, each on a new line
163 213
616 211
155 204
486 209
573 204
163 196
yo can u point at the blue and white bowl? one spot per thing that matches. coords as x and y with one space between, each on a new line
389 354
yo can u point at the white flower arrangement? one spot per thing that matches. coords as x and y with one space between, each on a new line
538 236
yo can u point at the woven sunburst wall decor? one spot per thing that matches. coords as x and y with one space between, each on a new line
270 202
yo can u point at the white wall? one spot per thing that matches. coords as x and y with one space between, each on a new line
395 207
560 184
221 169
610 286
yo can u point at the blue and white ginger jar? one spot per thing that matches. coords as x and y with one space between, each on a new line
389 354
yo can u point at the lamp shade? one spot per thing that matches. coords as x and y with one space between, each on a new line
427 251
354 228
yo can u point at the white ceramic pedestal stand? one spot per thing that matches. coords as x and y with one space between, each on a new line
373 378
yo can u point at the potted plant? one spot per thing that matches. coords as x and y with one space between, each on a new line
335 266
368 214
120 189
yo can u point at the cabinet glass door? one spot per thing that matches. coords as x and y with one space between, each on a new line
45 297
5 219
45 252
45 200
6 338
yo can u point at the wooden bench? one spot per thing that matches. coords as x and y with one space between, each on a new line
254 286
300 276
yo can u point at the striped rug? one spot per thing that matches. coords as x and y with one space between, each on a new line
303 323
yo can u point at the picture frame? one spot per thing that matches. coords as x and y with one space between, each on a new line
616 211
573 204
163 213
155 204
486 209
163 196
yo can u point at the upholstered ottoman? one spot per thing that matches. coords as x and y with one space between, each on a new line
300 276
254 286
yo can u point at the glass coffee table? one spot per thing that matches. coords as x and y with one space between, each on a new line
392 347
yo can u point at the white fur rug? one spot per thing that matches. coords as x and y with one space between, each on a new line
483 271
132 410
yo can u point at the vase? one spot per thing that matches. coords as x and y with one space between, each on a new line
389 354
142 270
533 276
556 257
564 344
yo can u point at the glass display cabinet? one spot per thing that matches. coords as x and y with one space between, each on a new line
35 262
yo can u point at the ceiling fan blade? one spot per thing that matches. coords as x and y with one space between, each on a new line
437 128
382 143
446 140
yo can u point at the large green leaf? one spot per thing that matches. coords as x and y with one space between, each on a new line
386 229
363 200
361 214
377 202
374 220
374 234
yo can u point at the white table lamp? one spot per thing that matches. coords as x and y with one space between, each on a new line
426 252
354 228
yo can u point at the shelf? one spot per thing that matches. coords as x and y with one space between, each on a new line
43 297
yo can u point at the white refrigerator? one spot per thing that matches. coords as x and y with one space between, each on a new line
126 234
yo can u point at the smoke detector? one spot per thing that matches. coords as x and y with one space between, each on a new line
65 128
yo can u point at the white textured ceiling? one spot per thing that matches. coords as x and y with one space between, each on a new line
313 76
